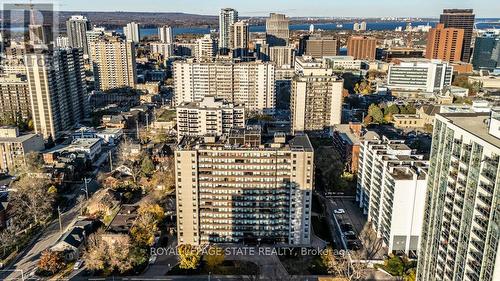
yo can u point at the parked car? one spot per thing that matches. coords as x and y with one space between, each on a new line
339 211
152 259
349 233
346 227
353 245
78 264
350 237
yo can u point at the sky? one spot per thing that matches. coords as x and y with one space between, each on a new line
318 8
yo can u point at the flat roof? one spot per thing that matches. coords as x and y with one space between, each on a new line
19 139
473 123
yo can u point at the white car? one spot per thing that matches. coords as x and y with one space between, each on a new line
339 211
78 264
152 259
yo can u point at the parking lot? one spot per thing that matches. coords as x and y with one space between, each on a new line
350 219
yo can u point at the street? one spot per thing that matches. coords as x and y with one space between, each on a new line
27 260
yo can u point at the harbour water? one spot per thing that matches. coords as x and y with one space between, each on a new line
383 25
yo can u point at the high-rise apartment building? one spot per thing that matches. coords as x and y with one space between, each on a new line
76 29
165 34
461 19
227 17
248 83
444 43
206 48
486 52
277 30
210 116
420 75
362 47
58 93
282 56
461 222
113 60
391 189
132 32
14 97
318 47
244 188
41 34
62 42
164 49
316 100
239 38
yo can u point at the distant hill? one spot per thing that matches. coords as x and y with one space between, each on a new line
119 19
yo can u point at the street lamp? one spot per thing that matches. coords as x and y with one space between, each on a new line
86 187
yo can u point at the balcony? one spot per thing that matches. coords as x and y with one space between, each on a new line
485 199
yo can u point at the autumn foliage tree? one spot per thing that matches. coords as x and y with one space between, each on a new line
189 256
118 254
51 262
146 225
214 257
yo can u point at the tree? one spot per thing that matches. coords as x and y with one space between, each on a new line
147 166
95 254
388 118
9 237
410 275
371 243
393 109
31 200
403 110
335 266
215 257
146 225
376 113
189 256
51 262
116 254
394 265
368 120
347 266
411 109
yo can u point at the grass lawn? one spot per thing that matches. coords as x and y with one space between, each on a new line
166 115
228 267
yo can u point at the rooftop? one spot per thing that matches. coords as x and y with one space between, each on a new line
474 123
247 140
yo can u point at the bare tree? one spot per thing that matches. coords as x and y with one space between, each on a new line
371 243
346 266
31 199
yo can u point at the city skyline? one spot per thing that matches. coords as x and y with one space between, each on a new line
322 8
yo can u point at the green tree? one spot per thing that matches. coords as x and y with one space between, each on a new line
394 265
376 113
393 109
215 257
189 256
147 166
403 110
411 109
